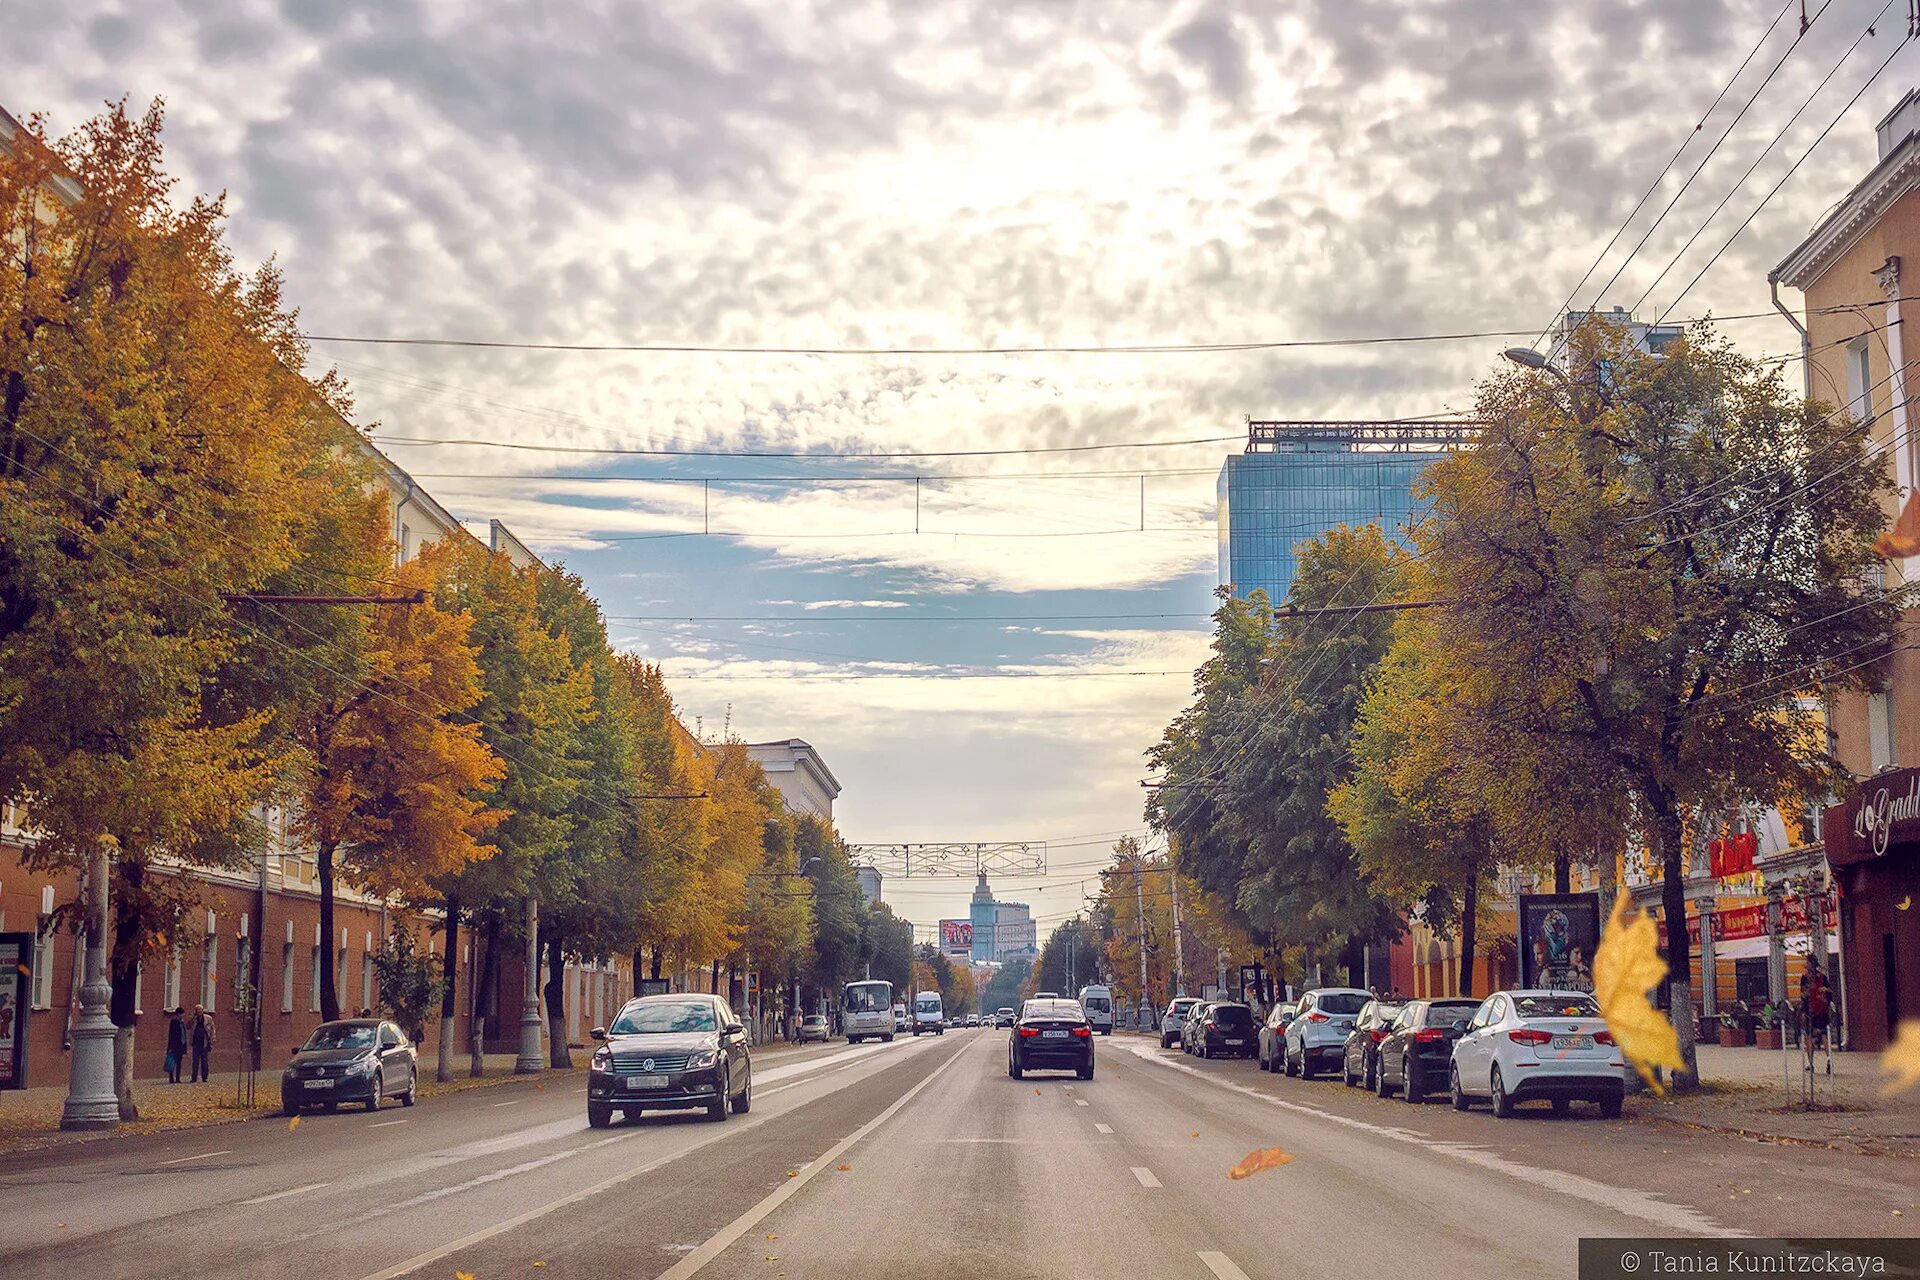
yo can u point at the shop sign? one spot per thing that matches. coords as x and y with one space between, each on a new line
1884 815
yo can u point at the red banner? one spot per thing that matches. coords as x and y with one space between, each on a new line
1736 923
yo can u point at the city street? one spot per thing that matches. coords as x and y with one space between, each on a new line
917 1159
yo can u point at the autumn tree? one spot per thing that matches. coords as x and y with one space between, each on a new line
886 950
157 450
839 908
392 774
1651 564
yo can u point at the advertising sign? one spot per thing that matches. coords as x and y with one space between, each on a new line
1884 814
1558 935
16 984
956 936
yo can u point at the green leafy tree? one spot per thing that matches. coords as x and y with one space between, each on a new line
1651 567
411 981
888 948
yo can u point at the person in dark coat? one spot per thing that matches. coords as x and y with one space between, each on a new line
176 1045
200 1039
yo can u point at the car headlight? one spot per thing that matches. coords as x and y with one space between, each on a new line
701 1058
603 1058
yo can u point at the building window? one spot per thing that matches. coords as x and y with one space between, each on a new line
286 977
1880 731
317 962
170 984
209 957
406 543
43 966
1860 381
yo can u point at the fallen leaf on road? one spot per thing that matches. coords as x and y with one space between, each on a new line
1901 1060
463 1275
539 1088
773 1235
62 1224
539 1264
1036 1093
293 1124
844 1168
1196 1133
793 1173
1905 902
1256 1161
1627 965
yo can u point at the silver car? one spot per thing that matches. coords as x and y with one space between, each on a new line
1175 1020
1316 1039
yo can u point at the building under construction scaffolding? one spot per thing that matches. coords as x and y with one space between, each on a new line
1297 480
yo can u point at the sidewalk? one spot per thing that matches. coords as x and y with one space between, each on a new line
1754 1093
30 1118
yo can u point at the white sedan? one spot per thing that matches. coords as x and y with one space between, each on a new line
1522 1045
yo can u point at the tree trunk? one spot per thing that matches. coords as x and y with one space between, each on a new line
329 995
653 963
124 971
483 998
639 967
713 981
1563 872
450 999
1673 909
557 1054
1469 924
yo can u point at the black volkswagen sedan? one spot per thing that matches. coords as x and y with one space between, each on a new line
670 1053
1051 1035
353 1060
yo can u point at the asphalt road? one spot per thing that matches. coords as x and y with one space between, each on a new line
921 1158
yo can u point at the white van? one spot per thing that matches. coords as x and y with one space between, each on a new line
1097 1004
928 1014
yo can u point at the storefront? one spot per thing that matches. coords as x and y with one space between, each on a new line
1873 845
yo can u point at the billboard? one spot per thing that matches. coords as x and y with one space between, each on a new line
1558 934
956 937
16 992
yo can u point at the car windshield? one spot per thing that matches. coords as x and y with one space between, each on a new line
1053 1010
664 1017
927 1004
1233 1015
1340 1002
1097 1002
343 1035
814 1019
1445 1015
1558 1006
868 997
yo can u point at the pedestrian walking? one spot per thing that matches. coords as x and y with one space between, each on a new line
201 1041
176 1044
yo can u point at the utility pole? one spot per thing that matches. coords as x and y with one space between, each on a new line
530 1062
1140 920
91 1100
1179 952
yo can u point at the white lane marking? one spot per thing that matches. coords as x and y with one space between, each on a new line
1221 1265
1079 1102
1146 1178
204 1155
713 1248
514 1103
290 1191
1104 1128
586 1193
1645 1205
384 1124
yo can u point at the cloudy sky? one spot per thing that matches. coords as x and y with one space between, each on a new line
983 642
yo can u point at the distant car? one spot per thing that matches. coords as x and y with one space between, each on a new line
1175 1020
670 1052
1097 1003
1523 1045
1361 1053
1418 1051
1227 1031
899 1017
1003 1017
353 1060
1317 1036
1051 1035
929 1014
1272 1033
814 1027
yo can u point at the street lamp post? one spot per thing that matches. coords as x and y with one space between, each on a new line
91 1102
529 1062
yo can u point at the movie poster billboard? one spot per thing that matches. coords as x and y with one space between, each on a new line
1558 935
956 937
16 985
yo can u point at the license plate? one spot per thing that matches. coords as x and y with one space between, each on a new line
1236 1042
319 1084
1053 1035
646 1082
1573 1042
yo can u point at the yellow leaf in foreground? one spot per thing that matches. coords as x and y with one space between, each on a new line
1627 965
1256 1161
463 1275
1901 1059
293 1124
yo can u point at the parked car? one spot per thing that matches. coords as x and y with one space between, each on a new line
1317 1036
1003 1018
1226 1030
1051 1035
1418 1051
353 1060
670 1052
1272 1035
1195 1016
1523 1045
1175 1020
1360 1056
814 1027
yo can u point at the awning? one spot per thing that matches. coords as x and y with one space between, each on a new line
1756 948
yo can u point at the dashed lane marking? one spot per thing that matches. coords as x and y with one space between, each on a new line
1146 1178
1104 1128
204 1155
1079 1102
290 1191
1221 1265
385 1124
